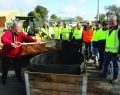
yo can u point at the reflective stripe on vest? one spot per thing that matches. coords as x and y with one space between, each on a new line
112 42
65 33
77 33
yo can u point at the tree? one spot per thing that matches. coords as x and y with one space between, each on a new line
54 17
113 10
78 18
36 15
42 11
101 17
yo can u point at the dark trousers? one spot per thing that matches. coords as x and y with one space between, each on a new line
65 45
107 60
101 47
88 51
78 45
57 43
7 62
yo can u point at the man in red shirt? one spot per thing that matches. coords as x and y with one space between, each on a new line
12 40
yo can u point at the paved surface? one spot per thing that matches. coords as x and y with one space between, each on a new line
12 87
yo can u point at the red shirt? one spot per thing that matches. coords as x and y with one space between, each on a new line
7 39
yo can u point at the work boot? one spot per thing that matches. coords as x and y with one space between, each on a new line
114 81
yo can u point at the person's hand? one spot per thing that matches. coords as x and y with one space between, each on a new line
38 42
18 44
13 45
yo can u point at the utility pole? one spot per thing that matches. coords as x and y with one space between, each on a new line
98 10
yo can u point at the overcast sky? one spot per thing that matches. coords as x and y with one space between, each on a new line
63 8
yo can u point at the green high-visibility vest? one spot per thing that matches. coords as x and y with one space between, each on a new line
77 33
112 42
44 31
49 31
57 32
65 33
96 34
102 34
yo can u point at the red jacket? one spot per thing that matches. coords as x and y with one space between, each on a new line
7 39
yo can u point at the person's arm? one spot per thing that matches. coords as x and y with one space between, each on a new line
6 38
119 41
27 38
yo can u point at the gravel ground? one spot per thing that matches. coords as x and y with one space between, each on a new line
97 85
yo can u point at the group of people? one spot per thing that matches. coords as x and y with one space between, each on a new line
100 42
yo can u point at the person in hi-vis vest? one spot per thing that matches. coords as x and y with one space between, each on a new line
47 30
101 43
77 37
65 36
112 48
57 30
96 34
87 40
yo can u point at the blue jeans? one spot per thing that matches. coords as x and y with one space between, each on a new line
108 58
96 55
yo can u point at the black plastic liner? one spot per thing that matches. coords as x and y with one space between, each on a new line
57 62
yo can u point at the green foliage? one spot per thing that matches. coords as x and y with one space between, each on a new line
113 10
54 17
36 15
78 18
101 17
42 11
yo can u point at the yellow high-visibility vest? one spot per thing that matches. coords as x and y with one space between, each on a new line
96 34
77 33
65 33
56 32
103 34
112 42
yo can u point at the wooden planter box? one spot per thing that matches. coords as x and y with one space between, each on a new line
38 83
